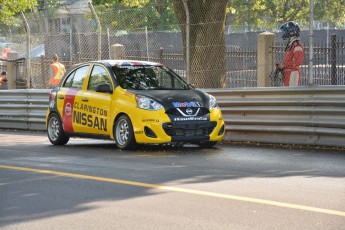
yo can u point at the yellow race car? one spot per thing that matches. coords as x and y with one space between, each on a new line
131 102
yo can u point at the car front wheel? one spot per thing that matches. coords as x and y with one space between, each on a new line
124 135
55 130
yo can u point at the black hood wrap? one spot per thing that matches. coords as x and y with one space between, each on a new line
186 106
167 97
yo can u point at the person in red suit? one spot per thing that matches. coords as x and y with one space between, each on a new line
293 55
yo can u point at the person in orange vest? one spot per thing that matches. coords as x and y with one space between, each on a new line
5 52
57 70
293 55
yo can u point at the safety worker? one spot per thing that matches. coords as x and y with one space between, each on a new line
4 53
57 70
293 54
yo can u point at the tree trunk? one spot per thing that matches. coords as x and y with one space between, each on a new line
207 41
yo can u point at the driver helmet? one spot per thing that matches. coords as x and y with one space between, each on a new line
290 29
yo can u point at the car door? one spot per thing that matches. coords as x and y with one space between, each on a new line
68 97
92 108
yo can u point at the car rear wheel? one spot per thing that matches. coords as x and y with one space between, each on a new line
55 130
124 135
207 144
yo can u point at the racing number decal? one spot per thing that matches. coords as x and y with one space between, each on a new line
67 113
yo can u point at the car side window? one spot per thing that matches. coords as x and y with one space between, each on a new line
68 82
76 78
99 75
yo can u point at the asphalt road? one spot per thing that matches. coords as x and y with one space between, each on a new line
90 184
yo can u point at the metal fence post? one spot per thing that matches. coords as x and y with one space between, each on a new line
99 30
311 41
147 44
108 40
28 51
187 41
334 59
70 46
161 50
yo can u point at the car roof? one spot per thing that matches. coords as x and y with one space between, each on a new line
123 63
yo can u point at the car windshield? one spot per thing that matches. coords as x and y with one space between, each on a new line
149 78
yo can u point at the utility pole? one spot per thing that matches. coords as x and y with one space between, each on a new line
248 14
311 40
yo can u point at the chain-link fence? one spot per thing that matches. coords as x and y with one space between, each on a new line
214 56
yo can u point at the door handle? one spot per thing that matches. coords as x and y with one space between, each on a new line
85 99
61 97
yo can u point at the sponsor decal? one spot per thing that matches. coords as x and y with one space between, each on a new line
89 120
128 94
52 100
186 104
52 104
139 132
190 119
90 109
150 120
189 111
90 116
68 109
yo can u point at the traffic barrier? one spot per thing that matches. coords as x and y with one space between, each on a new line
23 109
288 115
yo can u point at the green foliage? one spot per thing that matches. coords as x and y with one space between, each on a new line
271 13
49 7
331 11
9 8
134 14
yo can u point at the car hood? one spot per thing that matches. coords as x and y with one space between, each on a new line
176 98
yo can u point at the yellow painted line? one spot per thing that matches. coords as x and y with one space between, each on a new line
182 190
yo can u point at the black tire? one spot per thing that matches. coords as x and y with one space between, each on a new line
55 131
123 133
207 144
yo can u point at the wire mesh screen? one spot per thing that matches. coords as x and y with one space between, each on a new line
219 56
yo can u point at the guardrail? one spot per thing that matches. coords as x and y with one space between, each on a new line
23 109
294 115
291 115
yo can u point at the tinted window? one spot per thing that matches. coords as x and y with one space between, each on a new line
76 78
99 75
148 77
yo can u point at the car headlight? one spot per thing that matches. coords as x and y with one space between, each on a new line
213 102
147 103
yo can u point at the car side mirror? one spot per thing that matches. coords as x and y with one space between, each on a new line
191 85
103 88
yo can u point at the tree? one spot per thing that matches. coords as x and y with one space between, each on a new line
269 14
331 11
9 8
158 14
207 41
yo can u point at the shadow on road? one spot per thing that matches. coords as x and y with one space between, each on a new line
30 196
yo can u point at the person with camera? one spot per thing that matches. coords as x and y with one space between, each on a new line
3 77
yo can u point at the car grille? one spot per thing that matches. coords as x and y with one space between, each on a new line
189 129
183 111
